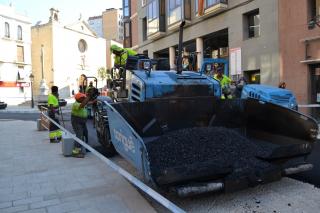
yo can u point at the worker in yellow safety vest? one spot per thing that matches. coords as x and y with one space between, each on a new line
121 55
79 117
225 82
55 134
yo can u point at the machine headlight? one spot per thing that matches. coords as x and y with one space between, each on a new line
146 65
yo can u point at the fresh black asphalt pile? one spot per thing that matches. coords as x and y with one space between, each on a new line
201 152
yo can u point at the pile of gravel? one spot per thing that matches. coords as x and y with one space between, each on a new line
203 152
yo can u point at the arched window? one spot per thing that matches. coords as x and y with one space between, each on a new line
19 36
7 30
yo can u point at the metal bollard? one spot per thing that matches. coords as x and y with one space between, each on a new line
67 145
39 125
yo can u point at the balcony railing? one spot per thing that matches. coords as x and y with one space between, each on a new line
211 6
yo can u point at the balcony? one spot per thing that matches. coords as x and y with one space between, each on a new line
211 7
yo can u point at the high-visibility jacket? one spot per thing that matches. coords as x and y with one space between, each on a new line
54 132
53 100
224 82
77 111
120 60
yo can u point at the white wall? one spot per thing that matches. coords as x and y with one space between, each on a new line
67 58
8 55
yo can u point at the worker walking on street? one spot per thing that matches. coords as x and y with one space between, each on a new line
225 82
78 120
90 104
55 134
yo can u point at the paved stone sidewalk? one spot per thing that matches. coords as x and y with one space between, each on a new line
35 177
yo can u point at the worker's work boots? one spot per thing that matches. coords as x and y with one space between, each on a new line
55 140
77 153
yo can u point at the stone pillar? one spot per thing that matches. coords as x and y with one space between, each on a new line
199 47
172 57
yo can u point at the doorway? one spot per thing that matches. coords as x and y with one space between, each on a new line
315 89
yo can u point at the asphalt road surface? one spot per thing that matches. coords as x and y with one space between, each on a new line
206 203
312 176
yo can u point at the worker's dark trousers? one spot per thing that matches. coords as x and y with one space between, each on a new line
80 128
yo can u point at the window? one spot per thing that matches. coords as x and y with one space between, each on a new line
20 54
314 8
175 11
19 36
144 28
210 3
82 45
127 34
253 24
126 8
7 30
313 13
152 10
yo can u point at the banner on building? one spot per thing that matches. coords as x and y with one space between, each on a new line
14 84
235 61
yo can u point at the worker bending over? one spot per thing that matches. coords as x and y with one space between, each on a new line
225 82
78 120
55 134
121 55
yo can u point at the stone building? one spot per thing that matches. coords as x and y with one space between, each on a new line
62 53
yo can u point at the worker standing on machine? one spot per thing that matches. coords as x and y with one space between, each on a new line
225 82
55 134
78 120
121 55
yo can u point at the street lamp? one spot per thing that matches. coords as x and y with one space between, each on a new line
31 76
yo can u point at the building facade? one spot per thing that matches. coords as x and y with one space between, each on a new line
130 22
112 24
95 23
299 49
15 56
62 53
243 31
265 41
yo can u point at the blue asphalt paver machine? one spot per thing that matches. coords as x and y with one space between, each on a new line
177 131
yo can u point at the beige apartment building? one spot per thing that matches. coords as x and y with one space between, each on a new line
267 41
245 30
62 53
109 26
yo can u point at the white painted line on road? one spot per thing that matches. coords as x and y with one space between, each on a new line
152 193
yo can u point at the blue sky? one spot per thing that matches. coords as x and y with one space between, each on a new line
70 10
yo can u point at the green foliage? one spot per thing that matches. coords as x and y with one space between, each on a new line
102 73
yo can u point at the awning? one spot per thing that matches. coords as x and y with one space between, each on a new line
14 84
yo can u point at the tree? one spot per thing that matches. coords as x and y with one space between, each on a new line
102 73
